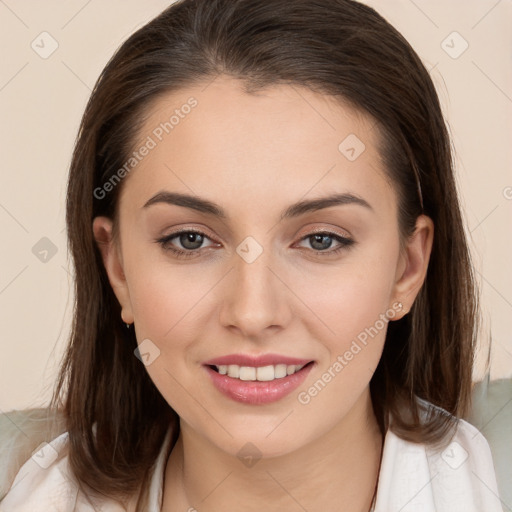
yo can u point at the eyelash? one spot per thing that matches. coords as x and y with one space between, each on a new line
345 243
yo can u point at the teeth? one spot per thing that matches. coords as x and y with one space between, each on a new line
233 371
260 373
247 373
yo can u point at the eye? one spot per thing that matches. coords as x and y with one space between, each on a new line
190 240
322 240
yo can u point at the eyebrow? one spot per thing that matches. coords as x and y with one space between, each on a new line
294 210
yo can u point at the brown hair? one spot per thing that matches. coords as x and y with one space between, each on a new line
336 47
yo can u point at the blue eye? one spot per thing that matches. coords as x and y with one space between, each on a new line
192 240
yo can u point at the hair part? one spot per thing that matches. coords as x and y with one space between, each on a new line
116 417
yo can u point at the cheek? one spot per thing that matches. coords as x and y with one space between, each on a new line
350 298
168 308
163 293
354 304
173 306
165 299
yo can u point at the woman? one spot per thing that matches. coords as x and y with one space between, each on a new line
275 307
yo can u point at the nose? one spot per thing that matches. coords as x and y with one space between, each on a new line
255 301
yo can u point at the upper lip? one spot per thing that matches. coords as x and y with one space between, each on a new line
261 360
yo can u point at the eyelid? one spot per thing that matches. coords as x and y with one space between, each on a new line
190 229
307 232
330 229
323 229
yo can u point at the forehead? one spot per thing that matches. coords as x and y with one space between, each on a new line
215 139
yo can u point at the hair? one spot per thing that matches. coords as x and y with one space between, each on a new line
116 417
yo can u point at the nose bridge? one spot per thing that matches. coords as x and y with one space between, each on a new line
255 301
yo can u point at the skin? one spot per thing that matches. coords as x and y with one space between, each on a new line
254 155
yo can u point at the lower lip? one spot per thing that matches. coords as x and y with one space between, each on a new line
258 392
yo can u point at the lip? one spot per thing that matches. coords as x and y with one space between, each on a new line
257 392
250 360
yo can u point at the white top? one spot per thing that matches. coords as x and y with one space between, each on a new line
412 478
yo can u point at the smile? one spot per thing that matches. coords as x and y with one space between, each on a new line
257 380
260 373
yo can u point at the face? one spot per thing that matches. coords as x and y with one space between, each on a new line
247 280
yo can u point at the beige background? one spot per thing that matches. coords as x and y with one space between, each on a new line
41 102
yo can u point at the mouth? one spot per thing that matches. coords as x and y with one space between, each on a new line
258 373
258 384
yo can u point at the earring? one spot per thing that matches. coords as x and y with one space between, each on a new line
125 323
400 305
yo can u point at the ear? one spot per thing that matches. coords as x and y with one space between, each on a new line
413 264
110 252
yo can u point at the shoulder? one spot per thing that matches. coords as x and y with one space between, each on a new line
35 469
21 432
491 412
464 470
459 476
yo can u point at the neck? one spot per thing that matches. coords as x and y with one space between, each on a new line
341 467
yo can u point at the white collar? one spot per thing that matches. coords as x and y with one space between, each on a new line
412 478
